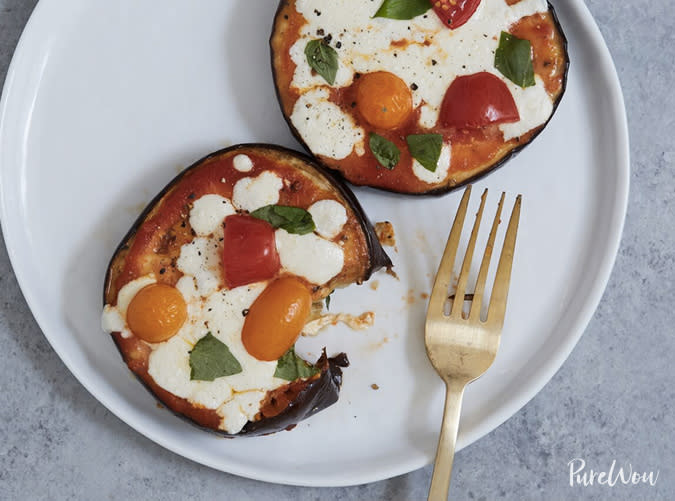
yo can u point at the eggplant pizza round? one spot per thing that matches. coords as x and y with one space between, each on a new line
208 292
417 96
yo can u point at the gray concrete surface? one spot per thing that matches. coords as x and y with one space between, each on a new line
612 399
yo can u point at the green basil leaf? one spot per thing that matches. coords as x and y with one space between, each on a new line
513 59
291 367
291 219
402 9
386 152
328 301
211 359
323 59
426 149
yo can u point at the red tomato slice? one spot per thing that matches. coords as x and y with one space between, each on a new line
474 101
249 251
454 13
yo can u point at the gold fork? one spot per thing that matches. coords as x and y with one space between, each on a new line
461 347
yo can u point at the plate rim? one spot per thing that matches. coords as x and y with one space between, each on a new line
541 374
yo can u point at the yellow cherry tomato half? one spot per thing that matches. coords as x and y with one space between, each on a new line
276 318
384 100
156 313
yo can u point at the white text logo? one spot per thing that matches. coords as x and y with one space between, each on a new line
624 475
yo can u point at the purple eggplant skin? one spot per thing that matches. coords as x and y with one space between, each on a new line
316 396
318 393
440 190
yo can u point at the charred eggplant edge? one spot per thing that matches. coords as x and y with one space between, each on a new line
440 190
318 393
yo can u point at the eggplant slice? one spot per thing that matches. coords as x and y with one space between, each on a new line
474 152
153 243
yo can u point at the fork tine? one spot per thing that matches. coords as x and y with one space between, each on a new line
500 290
439 292
458 302
477 303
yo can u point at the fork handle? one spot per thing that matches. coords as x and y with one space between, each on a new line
440 480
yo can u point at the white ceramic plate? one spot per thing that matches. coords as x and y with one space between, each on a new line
105 102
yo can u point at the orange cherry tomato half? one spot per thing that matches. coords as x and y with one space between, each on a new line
383 99
156 313
454 13
276 318
249 251
474 101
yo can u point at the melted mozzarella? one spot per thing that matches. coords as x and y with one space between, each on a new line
252 193
112 320
207 214
211 394
309 256
367 46
193 328
441 171
201 259
243 163
242 408
187 287
169 366
233 416
221 314
534 106
329 217
326 129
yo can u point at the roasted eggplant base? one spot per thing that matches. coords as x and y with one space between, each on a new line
158 250
466 151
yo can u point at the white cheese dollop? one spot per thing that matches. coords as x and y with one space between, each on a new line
242 408
252 193
534 106
329 217
169 366
234 418
202 260
309 256
243 163
326 129
112 320
207 214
